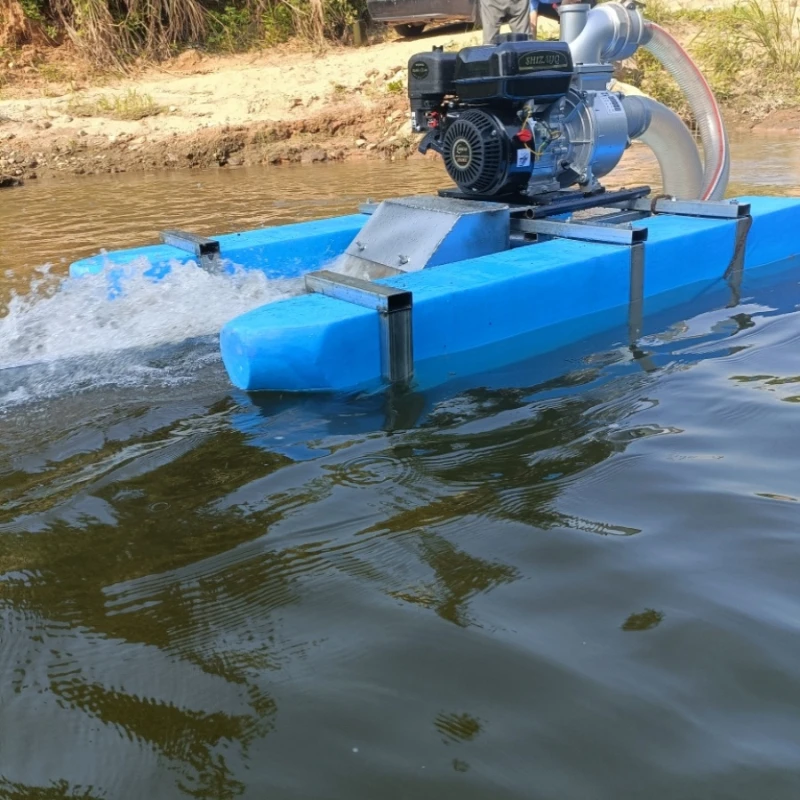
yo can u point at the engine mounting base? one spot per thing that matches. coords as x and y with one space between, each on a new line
557 203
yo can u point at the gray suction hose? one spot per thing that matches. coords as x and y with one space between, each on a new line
695 88
663 131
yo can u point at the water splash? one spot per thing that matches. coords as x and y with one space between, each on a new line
66 333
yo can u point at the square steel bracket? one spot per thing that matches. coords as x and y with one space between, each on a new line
712 209
582 231
207 251
394 314
734 274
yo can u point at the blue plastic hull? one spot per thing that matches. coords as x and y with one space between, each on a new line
471 315
285 251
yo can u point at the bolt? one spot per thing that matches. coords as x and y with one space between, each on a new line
403 260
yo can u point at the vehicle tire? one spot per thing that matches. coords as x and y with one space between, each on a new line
410 30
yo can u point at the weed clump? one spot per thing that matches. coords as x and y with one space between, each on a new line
749 52
129 106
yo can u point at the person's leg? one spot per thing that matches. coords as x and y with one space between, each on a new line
519 14
492 12
534 17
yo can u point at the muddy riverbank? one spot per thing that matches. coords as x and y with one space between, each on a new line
198 111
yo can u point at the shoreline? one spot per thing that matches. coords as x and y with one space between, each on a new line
336 134
196 112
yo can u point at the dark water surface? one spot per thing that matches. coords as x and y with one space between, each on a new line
567 579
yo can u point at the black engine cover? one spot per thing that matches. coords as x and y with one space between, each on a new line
513 71
480 155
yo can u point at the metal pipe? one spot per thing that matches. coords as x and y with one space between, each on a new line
612 32
572 19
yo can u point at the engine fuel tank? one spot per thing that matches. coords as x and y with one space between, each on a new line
514 71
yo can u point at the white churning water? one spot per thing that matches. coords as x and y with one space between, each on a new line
66 333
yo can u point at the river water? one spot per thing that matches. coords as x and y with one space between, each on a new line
571 578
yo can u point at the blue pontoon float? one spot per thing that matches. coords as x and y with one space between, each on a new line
528 251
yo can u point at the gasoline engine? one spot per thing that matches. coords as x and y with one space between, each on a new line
517 117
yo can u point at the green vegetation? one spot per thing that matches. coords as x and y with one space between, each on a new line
774 28
748 52
116 32
130 105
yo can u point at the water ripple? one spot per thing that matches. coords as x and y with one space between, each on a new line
563 581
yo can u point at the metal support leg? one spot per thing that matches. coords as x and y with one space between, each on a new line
735 271
636 299
207 251
394 314
636 309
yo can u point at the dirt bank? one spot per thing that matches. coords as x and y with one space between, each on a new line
339 132
198 111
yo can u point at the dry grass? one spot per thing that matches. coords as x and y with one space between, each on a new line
15 28
773 28
130 106
115 33
750 53
148 27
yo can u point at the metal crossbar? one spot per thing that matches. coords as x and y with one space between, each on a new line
206 250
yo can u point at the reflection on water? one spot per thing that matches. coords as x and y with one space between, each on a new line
567 578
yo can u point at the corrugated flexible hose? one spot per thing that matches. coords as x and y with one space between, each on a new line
716 151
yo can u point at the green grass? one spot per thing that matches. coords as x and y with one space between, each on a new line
114 33
746 51
772 27
130 106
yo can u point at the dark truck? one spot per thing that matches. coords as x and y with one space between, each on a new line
409 17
